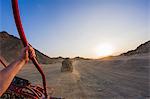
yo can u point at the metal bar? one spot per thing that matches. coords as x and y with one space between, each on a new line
19 26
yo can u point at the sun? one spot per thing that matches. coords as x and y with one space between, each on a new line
104 49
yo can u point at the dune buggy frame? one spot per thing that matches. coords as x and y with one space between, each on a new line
22 88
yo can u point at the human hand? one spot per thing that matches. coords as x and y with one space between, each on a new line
26 54
31 52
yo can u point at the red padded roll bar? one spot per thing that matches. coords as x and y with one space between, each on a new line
16 14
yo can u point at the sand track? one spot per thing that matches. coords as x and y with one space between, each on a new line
96 79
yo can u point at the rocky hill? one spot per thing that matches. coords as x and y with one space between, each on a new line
142 49
10 47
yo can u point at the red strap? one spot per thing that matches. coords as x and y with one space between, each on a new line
24 40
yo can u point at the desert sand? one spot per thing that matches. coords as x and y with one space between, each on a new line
123 77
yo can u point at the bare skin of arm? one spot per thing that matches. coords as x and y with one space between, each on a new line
8 73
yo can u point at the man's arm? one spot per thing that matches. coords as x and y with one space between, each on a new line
8 73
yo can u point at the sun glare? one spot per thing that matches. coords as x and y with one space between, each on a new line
103 50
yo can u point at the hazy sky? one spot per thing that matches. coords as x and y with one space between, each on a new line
78 27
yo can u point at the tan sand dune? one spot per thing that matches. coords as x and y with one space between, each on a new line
118 78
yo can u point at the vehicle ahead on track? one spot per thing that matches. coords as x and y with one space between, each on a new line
67 65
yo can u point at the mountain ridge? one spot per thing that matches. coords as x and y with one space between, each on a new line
141 49
11 47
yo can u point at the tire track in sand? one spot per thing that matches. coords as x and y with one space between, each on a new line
69 85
